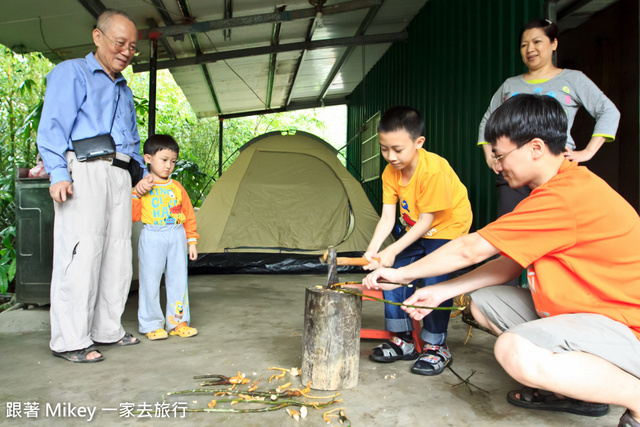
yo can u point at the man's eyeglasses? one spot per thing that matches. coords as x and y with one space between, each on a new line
120 45
500 157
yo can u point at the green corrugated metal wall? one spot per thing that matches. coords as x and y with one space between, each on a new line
458 53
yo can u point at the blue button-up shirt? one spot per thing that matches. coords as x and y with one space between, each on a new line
81 101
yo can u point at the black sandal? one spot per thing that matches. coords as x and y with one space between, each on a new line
433 360
394 349
79 356
127 339
532 398
627 420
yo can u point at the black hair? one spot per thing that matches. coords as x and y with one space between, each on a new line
402 118
550 29
524 117
156 143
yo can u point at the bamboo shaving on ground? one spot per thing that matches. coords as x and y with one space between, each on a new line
469 335
295 401
294 372
341 415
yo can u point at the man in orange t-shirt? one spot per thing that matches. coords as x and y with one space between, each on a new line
573 337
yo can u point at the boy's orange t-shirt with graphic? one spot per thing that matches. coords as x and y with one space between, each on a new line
166 204
579 240
433 188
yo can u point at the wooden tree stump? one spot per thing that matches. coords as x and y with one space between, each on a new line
331 339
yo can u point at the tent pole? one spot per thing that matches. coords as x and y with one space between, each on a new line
220 135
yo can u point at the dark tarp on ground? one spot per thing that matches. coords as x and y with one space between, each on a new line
277 263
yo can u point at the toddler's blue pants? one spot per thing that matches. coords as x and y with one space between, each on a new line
162 249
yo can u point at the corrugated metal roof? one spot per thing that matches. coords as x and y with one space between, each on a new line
239 57
572 13
278 55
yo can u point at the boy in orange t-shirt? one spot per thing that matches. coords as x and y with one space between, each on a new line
435 208
573 337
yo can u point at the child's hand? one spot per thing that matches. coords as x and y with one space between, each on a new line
372 257
193 252
383 275
387 258
144 185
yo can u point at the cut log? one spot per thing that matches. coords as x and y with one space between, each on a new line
331 339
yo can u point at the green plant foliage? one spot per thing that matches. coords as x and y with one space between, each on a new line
142 110
188 173
199 137
22 88
7 257
22 85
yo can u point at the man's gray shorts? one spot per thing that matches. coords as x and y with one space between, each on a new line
511 309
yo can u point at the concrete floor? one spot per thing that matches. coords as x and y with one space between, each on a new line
249 323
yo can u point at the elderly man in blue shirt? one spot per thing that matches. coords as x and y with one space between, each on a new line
88 99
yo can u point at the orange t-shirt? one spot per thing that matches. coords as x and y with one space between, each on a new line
167 203
580 240
433 188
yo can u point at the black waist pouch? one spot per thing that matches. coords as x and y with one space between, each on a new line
135 170
95 147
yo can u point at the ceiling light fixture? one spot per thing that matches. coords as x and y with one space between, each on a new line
318 5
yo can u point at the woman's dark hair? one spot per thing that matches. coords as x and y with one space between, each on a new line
156 143
550 29
402 118
524 117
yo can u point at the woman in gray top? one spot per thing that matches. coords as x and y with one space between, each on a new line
538 41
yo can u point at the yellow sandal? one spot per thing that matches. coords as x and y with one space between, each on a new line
158 334
184 331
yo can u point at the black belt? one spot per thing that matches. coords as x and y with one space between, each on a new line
119 163
114 161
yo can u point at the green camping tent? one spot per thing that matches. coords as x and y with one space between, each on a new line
286 193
